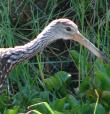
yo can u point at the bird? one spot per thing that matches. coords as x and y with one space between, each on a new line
61 28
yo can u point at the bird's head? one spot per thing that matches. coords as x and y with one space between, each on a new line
61 29
68 30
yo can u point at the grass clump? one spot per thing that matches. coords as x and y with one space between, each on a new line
61 80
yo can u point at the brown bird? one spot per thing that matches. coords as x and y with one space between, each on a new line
57 29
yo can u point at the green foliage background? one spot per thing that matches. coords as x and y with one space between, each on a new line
66 78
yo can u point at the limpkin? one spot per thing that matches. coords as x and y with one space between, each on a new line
57 29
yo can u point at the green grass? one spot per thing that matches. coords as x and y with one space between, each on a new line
66 78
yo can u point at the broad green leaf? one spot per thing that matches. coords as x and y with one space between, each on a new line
66 103
85 84
57 112
106 96
99 109
88 109
85 109
59 104
73 102
3 101
12 111
102 80
102 76
103 68
57 81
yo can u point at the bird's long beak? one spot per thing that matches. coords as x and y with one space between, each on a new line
86 43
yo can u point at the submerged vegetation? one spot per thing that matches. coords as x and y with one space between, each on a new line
66 78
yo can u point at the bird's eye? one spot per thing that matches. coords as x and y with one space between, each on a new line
68 28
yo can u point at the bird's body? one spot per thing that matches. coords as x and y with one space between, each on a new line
57 29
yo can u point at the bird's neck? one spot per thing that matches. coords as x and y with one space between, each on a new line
9 57
19 53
